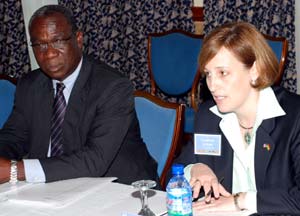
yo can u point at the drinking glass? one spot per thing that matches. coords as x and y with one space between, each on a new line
143 186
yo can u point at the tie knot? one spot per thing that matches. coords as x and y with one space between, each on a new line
60 87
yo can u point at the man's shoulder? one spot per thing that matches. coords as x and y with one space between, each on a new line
34 76
100 67
101 73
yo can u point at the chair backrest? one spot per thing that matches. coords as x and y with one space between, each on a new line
161 129
7 94
173 62
280 48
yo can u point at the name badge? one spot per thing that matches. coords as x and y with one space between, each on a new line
207 144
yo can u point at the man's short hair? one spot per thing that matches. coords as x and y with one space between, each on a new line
48 10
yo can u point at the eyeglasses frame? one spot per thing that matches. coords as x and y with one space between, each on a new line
57 44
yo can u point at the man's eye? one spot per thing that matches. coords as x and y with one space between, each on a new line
39 45
58 42
42 45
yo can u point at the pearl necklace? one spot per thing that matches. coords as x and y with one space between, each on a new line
247 135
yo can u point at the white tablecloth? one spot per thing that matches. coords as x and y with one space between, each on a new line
82 196
86 198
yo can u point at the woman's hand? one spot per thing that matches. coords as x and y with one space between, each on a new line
221 204
203 176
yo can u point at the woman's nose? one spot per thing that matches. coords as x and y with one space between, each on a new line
212 83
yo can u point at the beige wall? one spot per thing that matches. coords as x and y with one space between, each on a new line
198 3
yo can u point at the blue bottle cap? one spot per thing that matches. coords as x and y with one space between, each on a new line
177 169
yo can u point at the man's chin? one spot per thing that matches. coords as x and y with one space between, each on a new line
57 75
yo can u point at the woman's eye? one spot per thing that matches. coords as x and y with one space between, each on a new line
207 73
224 73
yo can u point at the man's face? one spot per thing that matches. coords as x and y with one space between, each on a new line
56 49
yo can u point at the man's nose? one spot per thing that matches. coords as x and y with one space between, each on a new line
51 52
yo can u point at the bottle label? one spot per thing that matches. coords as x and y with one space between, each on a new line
179 202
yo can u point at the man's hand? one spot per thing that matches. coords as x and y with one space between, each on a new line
5 170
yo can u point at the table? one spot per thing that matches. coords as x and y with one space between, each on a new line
82 197
103 198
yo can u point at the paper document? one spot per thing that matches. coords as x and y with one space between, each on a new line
57 194
8 188
240 213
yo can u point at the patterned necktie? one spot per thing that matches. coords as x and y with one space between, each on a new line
59 109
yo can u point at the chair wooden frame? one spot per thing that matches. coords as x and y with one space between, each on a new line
177 134
9 78
284 52
195 85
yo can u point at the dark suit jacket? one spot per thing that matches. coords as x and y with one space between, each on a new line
101 134
277 172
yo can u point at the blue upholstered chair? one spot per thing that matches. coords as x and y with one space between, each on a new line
280 48
161 129
7 94
173 67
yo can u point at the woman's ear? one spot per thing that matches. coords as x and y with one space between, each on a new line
254 72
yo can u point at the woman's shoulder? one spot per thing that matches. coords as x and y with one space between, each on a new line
206 105
286 98
289 102
205 114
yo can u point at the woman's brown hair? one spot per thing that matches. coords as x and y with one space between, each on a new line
248 45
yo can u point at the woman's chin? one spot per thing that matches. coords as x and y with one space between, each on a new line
223 109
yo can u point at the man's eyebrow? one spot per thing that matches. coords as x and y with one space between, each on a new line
54 37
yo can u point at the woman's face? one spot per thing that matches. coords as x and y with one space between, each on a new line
229 82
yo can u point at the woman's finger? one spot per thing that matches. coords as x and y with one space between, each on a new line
196 189
223 191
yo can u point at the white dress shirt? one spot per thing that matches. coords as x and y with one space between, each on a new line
33 169
243 158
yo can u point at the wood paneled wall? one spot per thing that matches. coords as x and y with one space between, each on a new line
198 17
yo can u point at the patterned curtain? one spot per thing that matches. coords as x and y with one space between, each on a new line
116 30
275 18
13 46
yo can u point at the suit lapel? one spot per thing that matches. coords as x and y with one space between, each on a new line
45 99
264 148
76 107
225 164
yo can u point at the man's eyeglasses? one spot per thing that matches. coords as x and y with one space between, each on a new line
57 44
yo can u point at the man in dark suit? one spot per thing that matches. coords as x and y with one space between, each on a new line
99 131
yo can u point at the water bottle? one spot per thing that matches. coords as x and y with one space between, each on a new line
179 193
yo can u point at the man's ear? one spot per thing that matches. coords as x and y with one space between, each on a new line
79 39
